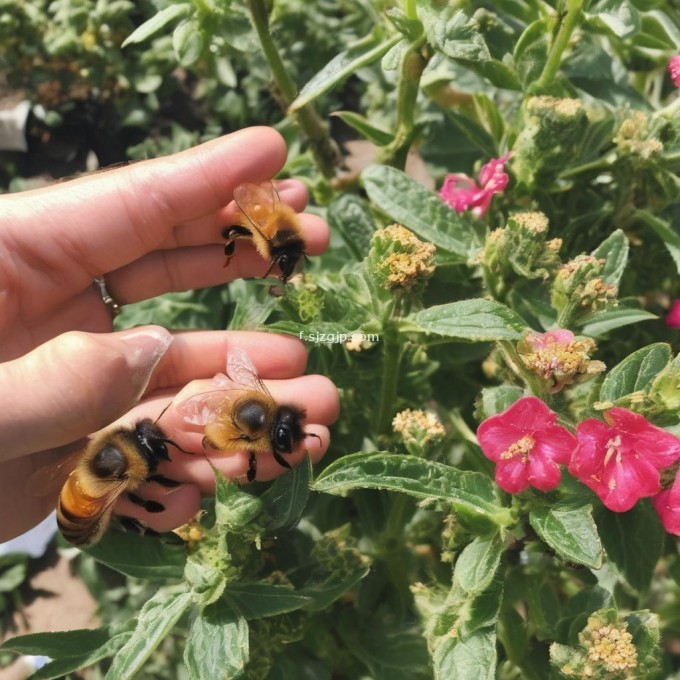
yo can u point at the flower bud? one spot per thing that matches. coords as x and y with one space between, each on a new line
553 128
636 138
418 429
559 358
579 285
399 261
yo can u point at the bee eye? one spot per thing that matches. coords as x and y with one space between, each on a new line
283 439
109 462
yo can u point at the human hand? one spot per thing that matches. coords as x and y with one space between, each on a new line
149 228
44 403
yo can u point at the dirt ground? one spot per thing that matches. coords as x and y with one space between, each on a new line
56 600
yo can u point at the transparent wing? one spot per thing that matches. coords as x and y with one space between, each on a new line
48 479
255 201
200 409
241 372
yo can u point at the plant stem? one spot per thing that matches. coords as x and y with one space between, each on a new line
411 69
322 146
568 23
410 9
390 377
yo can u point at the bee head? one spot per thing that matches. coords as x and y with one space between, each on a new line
287 429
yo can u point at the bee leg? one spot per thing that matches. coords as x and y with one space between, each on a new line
164 481
252 466
149 506
281 460
136 527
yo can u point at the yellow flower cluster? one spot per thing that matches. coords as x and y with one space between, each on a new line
609 646
417 425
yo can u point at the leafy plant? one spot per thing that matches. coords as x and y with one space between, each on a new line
421 549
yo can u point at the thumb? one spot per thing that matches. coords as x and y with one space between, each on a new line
74 385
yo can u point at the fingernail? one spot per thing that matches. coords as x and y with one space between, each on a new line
145 348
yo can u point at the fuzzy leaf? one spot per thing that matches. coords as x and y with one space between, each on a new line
423 212
474 657
189 40
497 399
665 231
570 532
350 217
217 645
157 22
476 320
636 372
140 556
285 500
340 67
614 250
257 600
356 121
451 32
156 620
416 477
478 562
634 541
600 323
618 16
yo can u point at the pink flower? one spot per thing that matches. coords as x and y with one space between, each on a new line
620 459
674 69
462 192
560 337
673 317
667 506
526 446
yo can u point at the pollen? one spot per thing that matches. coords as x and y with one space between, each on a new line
418 425
612 646
522 447
613 449
534 221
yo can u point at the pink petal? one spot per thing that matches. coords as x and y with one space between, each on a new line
555 443
492 175
588 458
674 69
673 317
668 509
512 475
458 191
544 474
624 484
495 436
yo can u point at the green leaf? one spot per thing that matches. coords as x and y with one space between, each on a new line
261 599
423 212
636 372
620 17
156 620
416 477
476 320
474 657
139 556
189 41
285 500
453 33
157 22
59 644
234 508
12 577
531 51
614 250
634 542
324 592
340 67
60 667
350 217
477 564
497 399
600 323
570 532
207 582
356 121
665 231
217 645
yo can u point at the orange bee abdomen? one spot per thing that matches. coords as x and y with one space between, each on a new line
81 517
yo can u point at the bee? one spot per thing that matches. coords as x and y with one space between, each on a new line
242 415
271 225
115 463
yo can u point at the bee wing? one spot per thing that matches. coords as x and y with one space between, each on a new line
254 200
200 409
240 370
48 479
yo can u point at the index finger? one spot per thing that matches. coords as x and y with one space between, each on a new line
109 219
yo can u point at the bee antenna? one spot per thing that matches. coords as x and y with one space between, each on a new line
177 446
162 413
271 266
